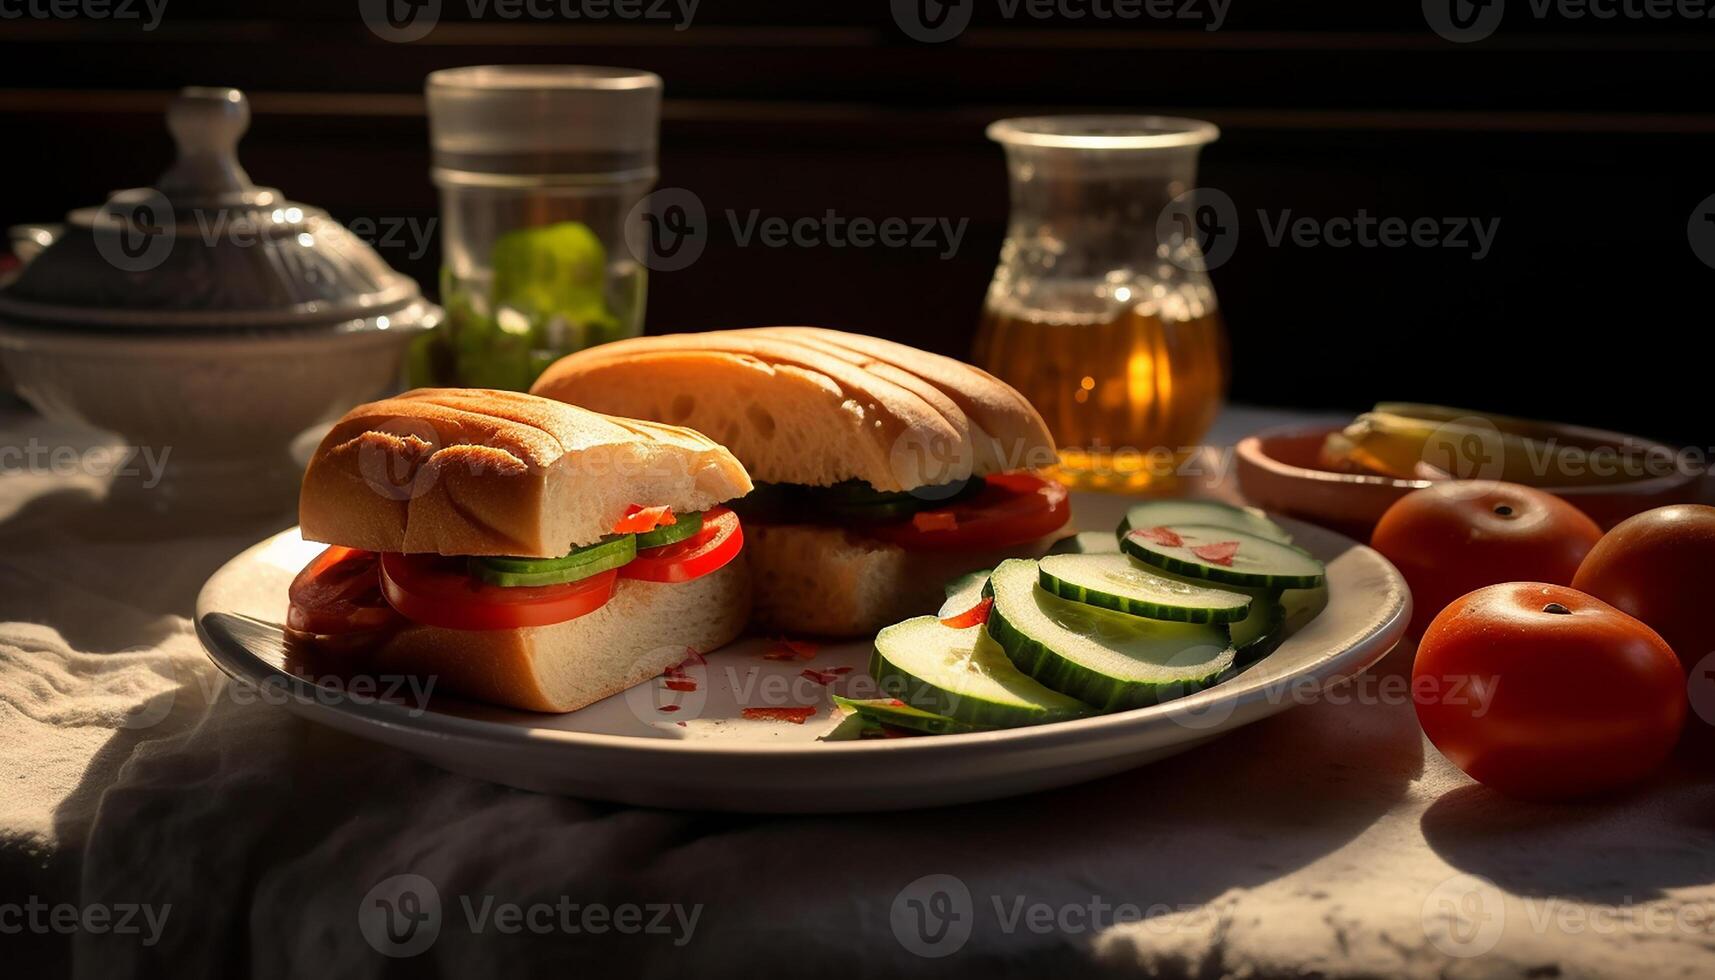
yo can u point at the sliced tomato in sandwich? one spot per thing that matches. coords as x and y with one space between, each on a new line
1011 509
338 593
707 551
439 591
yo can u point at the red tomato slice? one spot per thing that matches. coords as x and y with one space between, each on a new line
1011 508
707 551
642 520
437 591
339 592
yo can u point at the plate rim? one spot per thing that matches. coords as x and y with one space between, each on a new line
1349 661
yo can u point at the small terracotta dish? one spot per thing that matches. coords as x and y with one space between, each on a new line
1279 470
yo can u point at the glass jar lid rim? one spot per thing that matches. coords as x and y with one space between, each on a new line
1104 132
500 78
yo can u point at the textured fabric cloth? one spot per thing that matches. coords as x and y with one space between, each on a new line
233 839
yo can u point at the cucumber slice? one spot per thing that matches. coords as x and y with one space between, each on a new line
580 564
963 593
962 675
1303 605
1086 543
1207 513
1116 582
576 556
1257 635
1256 560
889 711
1106 659
684 526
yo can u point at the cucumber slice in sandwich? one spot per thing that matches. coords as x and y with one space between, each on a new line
594 559
1221 554
1086 543
962 675
1208 513
891 711
1116 582
684 526
1108 660
963 593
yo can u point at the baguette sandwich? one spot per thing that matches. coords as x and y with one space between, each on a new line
882 471
519 550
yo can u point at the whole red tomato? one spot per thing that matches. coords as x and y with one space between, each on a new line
1457 536
1656 566
1543 692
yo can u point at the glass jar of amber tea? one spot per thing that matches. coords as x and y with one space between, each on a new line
1100 310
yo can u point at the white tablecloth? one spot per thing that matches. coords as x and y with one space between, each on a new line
151 817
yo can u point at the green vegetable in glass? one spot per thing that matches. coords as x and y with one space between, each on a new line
546 299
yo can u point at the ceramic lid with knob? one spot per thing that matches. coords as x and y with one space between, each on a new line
206 249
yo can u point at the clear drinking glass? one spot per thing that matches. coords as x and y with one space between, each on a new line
1110 328
539 169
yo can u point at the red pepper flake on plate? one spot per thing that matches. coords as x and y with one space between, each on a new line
669 708
785 649
1218 553
796 716
676 679
977 615
822 677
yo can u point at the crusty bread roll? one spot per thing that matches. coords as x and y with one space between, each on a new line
644 629
478 472
816 407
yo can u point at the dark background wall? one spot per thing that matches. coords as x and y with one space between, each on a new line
1589 139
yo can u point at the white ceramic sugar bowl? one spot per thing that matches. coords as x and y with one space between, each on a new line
208 320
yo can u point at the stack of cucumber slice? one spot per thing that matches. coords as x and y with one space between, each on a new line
1183 596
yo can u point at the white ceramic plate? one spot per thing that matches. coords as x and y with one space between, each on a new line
658 747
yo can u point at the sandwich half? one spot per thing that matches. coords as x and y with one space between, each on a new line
516 549
882 471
